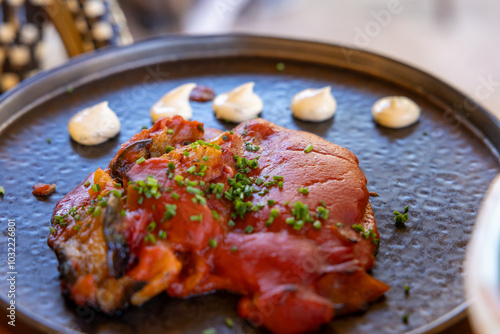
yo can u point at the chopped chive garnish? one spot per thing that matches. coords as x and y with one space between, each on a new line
96 187
140 200
231 223
196 217
400 219
76 227
322 213
317 224
209 331
205 158
186 153
118 185
278 177
200 127
175 195
259 181
52 230
86 184
229 322
215 214
271 202
169 149
303 191
97 211
322 204
170 131
140 160
234 249
280 184
225 137
123 213
151 238
405 318
249 229
308 149
48 141
162 234
2 191
151 226
212 243
191 169
170 211
407 289
280 66
290 220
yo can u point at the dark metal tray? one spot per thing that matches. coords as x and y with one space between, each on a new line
440 166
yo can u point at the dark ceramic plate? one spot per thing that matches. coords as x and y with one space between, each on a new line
440 166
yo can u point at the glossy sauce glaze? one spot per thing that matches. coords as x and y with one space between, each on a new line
279 216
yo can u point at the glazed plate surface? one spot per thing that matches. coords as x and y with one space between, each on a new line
441 167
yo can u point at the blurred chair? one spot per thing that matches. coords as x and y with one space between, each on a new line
83 26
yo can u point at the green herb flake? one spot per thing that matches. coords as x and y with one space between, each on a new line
170 211
140 160
170 131
400 219
303 191
162 234
249 229
151 226
215 215
280 66
209 331
169 149
196 218
405 318
308 149
212 243
205 158
150 238
97 211
225 137
48 141
317 224
175 195
229 322
86 184
52 230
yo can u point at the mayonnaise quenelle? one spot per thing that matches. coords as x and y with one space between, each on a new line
239 105
94 125
314 105
175 102
396 112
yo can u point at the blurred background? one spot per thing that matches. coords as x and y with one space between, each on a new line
455 40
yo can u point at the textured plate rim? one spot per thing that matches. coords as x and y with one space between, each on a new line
87 68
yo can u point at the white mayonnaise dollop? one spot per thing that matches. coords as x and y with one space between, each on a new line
314 105
94 125
395 112
239 105
175 102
